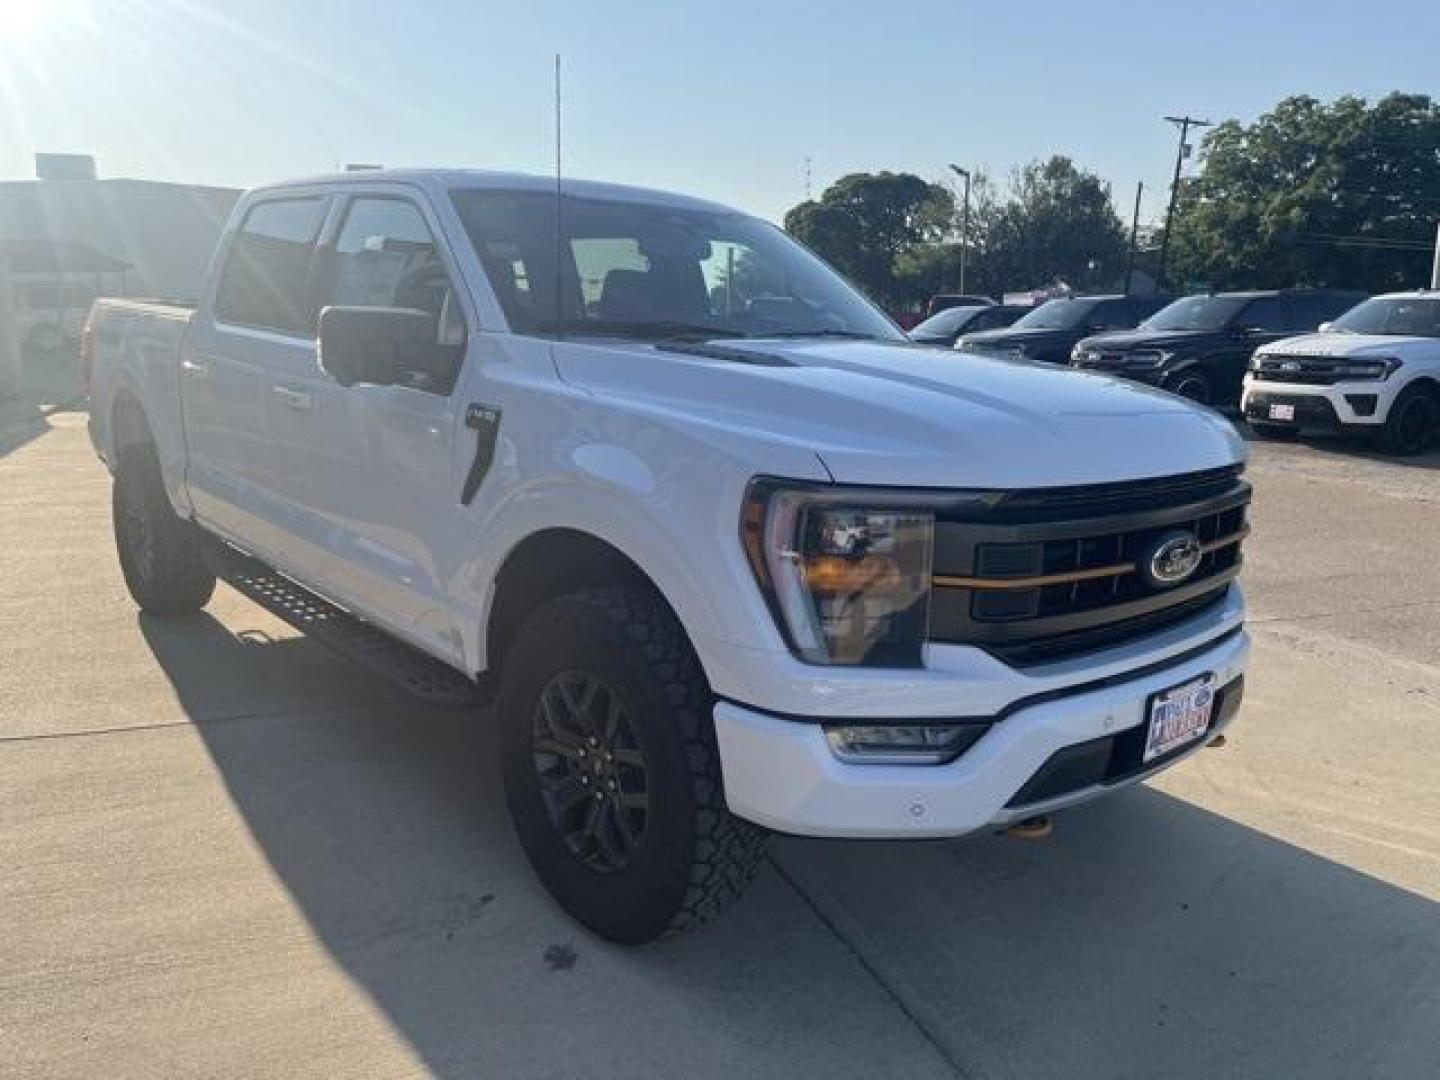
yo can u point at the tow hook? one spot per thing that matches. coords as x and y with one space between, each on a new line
1218 741
1039 827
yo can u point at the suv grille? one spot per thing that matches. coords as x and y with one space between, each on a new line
1051 573
1309 370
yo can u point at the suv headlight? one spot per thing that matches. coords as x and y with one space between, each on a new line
1378 368
845 571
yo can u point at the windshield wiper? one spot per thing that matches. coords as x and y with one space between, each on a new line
659 330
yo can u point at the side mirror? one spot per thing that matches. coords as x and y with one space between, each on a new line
386 347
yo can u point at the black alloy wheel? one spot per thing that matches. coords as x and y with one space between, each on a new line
1413 425
591 770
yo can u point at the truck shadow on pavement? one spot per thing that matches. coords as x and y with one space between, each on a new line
20 429
1149 938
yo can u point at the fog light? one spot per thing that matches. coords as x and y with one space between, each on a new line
902 744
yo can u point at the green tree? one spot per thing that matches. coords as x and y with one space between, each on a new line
927 269
864 223
1343 194
1059 225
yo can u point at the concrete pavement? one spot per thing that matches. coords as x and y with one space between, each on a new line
227 853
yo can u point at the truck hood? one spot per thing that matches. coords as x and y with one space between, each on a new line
1357 345
892 414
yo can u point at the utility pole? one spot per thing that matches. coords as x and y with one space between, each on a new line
1134 234
807 177
964 221
1182 151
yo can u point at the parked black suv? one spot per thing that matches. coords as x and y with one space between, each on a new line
1200 346
1050 331
944 328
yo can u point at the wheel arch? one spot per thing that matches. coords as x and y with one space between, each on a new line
550 563
129 422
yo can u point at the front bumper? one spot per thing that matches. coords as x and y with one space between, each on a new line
1358 402
781 773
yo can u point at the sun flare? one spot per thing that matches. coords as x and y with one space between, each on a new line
20 19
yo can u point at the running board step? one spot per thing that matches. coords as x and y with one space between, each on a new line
421 676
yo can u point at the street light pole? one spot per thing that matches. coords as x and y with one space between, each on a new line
1185 123
964 222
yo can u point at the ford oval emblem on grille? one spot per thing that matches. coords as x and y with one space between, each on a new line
1170 559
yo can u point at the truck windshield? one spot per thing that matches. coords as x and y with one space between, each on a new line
1198 313
1059 314
1400 316
653 271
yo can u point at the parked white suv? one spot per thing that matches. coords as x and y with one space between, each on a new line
727 551
1375 368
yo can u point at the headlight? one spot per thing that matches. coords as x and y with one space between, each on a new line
846 572
1380 368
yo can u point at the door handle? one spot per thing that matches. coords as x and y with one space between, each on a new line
293 399
195 369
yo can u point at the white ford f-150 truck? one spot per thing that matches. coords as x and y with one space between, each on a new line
1376 368
728 553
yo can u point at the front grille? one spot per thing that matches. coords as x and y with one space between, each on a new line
1305 370
1048 574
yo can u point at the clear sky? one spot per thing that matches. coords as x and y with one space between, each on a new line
719 99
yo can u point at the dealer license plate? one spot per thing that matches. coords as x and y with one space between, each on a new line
1179 715
1282 412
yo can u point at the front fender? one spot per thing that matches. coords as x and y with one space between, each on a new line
704 578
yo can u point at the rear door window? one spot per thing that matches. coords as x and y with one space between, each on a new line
265 283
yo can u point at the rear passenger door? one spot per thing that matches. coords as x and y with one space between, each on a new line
261 321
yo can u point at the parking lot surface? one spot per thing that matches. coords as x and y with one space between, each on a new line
226 852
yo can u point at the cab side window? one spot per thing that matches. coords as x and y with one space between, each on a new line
385 256
264 282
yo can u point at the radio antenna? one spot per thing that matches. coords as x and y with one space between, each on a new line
559 204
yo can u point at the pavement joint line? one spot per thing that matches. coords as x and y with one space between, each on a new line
124 729
871 970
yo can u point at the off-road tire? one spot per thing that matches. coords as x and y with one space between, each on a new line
1413 424
161 554
694 858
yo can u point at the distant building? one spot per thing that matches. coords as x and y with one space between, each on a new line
71 236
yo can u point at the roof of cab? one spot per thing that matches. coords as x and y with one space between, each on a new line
450 179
